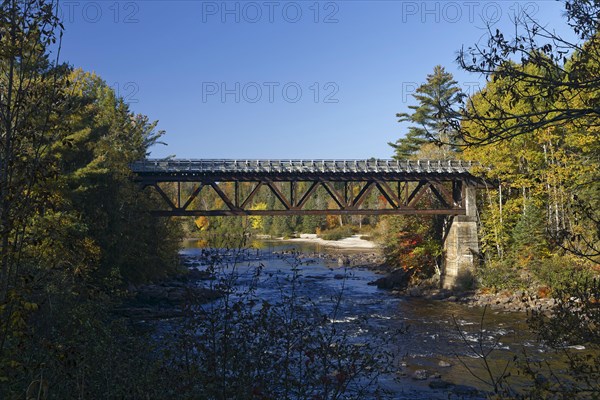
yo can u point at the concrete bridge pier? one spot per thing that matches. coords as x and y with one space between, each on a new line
461 247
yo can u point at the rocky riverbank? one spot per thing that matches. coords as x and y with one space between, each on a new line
519 301
399 281
371 259
167 299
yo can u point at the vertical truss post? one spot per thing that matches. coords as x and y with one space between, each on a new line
293 193
346 198
236 195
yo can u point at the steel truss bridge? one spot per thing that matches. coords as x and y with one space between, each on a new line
404 187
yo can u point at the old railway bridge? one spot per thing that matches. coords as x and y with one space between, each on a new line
402 187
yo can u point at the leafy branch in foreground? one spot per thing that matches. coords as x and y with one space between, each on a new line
571 330
496 379
540 64
569 367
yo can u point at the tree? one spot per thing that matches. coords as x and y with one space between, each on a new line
256 221
545 89
529 234
439 93
562 68
31 101
102 137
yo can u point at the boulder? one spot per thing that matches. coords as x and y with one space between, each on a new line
397 279
420 375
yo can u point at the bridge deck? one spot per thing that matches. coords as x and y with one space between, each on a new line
299 167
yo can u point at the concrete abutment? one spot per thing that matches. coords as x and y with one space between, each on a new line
461 247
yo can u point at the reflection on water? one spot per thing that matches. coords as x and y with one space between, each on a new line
439 333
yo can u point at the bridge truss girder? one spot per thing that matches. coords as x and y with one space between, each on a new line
401 196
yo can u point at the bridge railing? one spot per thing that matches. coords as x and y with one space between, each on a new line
296 166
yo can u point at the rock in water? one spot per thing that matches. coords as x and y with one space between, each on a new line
397 279
420 375
440 384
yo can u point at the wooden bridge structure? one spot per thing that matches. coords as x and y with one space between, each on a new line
404 187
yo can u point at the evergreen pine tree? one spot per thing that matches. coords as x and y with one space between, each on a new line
439 93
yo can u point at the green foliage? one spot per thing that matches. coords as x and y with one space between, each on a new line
412 243
561 273
75 228
282 227
553 273
534 127
440 92
541 203
341 232
501 275
311 223
83 351
529 236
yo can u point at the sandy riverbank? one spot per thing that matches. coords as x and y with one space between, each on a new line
352 242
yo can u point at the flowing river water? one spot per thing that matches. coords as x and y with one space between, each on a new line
439 334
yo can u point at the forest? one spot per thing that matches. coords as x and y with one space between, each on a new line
76 232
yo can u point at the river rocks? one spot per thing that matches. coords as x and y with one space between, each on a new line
519 301
420 375
194 274
397 279
372 260
444 364
316 277
440 384
165 300
175 293
437 294
148 313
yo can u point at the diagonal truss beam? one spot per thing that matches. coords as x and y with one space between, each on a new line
333 193
193 196
280 196
248 200
223 196
307 195
362 195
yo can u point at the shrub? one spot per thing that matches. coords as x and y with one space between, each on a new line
561 272
500 275
338 233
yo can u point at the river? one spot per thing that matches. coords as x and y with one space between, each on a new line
438 333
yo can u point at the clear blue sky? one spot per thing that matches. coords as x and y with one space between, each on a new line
224 78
